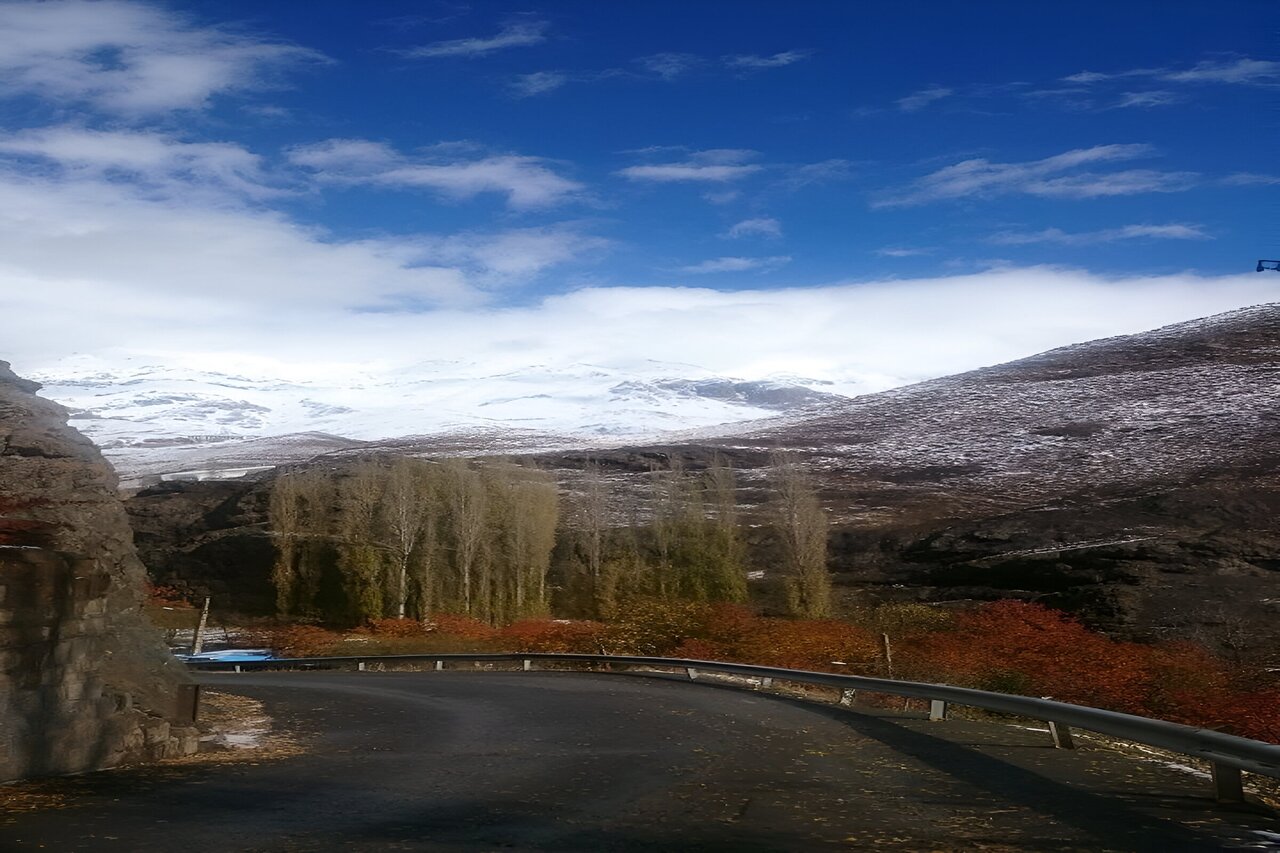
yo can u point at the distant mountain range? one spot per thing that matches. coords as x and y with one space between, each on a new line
1135 480
153 420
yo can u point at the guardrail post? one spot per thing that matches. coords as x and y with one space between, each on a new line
1061 735
691 672
847 697
937 710
439 666
528 664
1228 785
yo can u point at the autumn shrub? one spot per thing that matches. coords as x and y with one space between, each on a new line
653 626
817 644
553 635
166 596
906 619
301 641
461 627
1016 647
397 628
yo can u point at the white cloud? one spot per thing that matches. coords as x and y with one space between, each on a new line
722 196
717 265
538 83
528 182
514 34
1156 98
122 236
753 62
1174 231
1243 70
901 252
132 58
669 66
1240 71
763 226
1250 179
817 174
512 257
716 165
923 98
157 162
863 336
983 179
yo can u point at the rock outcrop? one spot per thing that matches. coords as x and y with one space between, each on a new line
85 682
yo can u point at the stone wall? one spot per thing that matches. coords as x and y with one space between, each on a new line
85 682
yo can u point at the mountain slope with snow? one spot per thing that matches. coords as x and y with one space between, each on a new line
153 420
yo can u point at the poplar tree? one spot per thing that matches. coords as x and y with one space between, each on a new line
802 527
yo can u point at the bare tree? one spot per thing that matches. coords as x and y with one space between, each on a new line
465 503
409 519
666 500
802 526
729 580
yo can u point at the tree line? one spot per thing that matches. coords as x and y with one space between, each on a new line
407 538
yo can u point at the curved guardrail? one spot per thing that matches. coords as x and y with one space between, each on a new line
1227 754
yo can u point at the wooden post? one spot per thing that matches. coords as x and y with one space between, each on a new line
1061 734
197 642
1228 785
188 701
886 650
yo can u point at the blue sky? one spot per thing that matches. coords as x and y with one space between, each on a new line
421 158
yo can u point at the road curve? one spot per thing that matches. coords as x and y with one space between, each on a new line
560 761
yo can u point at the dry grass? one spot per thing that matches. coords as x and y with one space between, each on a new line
237 730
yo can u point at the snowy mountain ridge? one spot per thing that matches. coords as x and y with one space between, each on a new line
153 419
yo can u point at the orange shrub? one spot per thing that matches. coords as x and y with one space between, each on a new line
553 635
397 628
1015 647
462 627
166 596
816 644
302 641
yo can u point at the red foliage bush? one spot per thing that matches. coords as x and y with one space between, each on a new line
1015 647
462 627
397 628
817 644
553 635
303 641
167 596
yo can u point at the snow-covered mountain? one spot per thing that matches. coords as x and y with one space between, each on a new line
155 419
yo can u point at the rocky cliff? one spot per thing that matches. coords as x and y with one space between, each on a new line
84 681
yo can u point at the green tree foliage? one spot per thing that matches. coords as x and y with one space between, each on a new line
405 538
684 545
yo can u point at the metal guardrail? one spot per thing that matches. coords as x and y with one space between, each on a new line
1227 755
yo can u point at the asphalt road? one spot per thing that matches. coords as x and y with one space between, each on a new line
558 761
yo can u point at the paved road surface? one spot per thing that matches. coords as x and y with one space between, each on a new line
557 761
